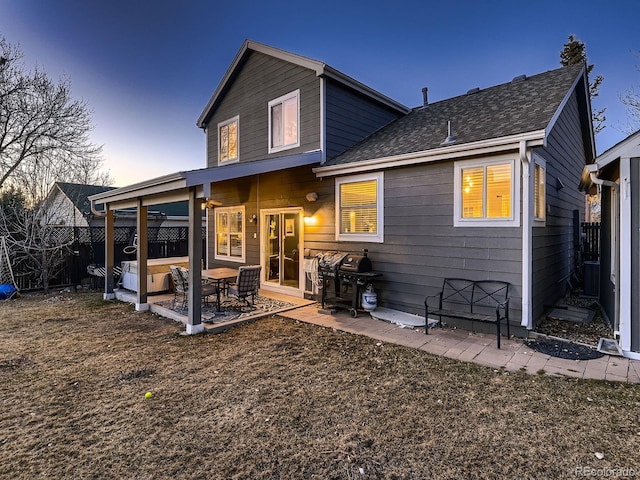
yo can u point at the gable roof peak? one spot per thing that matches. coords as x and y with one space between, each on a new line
321 69
78 193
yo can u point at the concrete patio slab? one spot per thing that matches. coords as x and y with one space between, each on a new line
478 348
453 343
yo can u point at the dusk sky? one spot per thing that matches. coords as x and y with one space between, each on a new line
146 69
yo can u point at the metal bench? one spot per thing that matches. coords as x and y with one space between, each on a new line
475 300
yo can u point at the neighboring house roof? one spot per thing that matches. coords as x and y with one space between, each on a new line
321 69
526 104
78 193
173 209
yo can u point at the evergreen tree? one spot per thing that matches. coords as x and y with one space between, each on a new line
575 52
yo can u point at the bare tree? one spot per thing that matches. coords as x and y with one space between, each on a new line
44 138
38 249
631 99
40 122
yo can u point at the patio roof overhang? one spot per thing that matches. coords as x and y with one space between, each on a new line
175 187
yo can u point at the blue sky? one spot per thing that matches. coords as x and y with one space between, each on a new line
147 68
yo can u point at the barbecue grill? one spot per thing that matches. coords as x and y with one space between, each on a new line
351 274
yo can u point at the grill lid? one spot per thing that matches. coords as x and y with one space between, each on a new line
330 260
356 263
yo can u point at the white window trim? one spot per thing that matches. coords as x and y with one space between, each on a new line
296 94
222 124
514 220
228 257
539 221
377 237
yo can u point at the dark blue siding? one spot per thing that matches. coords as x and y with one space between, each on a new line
350 117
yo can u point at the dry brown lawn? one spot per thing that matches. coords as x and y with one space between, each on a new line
281 399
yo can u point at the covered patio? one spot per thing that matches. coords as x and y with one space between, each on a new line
195 187
232 313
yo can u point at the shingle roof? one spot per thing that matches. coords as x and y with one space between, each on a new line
517 107
78 193
173 209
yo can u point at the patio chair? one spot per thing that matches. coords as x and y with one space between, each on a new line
178 285
246 284
180 278
208 289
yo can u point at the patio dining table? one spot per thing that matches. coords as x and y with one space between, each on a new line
219 275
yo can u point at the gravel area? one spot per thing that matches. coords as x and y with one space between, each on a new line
586 333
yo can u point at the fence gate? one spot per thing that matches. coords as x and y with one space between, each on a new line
591 241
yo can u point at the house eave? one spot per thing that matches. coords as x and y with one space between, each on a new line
590 148
152 186
257 167
629 148
334 74
483 147
175 187
618 149
586 183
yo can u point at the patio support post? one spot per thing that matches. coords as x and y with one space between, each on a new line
194 319
141 302
109 254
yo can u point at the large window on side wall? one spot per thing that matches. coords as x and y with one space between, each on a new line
360 208
486 193
229 224
228 140
284 122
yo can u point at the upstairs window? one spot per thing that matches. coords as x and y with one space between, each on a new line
284 122
359 206
484 193
228 141
229 234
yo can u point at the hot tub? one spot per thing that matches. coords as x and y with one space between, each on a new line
158 273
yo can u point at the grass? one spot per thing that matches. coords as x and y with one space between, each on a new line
280 399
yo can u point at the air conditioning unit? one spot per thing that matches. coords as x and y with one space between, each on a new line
591 280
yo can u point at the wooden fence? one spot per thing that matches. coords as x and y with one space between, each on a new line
88 249
590 241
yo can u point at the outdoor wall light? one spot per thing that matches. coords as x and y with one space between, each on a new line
311 197
208 203
253 218
310 220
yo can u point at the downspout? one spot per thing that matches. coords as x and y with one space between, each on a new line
98 213
527 313
616 248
